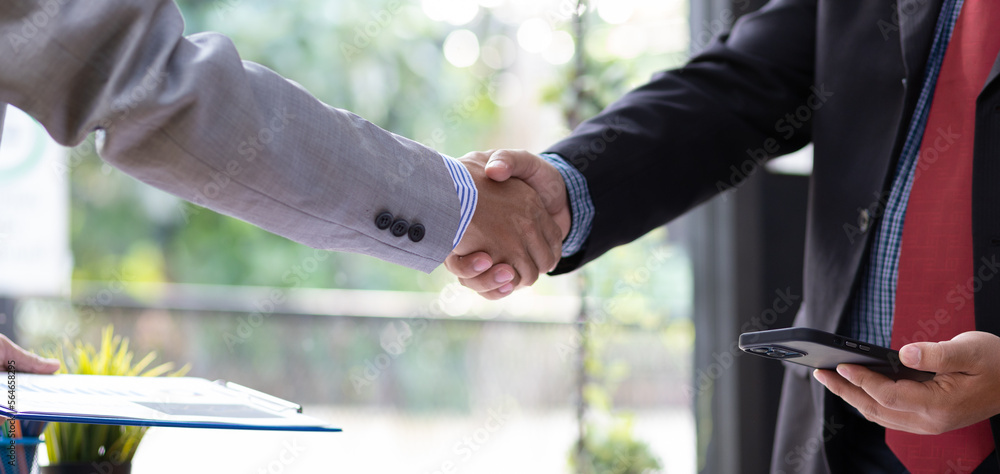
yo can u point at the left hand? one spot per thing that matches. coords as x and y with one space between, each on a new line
23 361
963 392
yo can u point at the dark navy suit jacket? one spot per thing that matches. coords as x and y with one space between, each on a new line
842 74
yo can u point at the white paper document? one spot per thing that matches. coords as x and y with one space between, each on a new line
153 401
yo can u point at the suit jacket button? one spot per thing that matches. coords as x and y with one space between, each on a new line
383 220
400 227
864 220
417 232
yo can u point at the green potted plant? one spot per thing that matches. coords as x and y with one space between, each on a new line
78 448
611 448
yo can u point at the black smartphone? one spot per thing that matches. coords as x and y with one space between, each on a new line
822 350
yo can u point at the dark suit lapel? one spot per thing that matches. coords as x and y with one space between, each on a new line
993 72
917 19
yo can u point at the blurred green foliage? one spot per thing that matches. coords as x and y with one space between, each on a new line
386 64
612 448
381 59
396 77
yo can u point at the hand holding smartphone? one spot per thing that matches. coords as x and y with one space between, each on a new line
822 350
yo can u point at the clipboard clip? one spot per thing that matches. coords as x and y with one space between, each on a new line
265 399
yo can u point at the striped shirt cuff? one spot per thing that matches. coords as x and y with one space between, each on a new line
467 194
580 203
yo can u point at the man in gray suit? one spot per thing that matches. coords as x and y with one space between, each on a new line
186 115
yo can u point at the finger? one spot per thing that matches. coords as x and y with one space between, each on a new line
503 292
478 156
504 164
468 266
493 279
526 272
964 353
538 249
902 395
859 399
552 234
25 361
541 175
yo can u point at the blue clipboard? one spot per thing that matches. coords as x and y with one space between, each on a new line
182 402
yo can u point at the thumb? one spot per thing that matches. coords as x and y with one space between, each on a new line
36 364
544 178
24 361
505 164
961 354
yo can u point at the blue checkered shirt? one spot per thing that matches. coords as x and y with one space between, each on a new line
870 318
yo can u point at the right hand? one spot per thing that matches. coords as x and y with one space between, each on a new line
476 270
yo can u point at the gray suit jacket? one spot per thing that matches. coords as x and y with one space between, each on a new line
186 115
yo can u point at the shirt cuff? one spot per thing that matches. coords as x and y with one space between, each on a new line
581 206
467 194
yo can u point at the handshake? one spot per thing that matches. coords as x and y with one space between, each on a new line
521 219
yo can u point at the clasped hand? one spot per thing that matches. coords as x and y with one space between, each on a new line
963 392
519 224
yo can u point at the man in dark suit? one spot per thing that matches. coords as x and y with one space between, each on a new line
902 104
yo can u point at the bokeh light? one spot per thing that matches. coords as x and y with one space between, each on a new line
456 12
625 42
461 48
560 49
534 35
499 52
508 89
615 12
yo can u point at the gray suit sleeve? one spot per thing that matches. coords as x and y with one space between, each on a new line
186 115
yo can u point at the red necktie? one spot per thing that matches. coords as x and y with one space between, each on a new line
935 258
